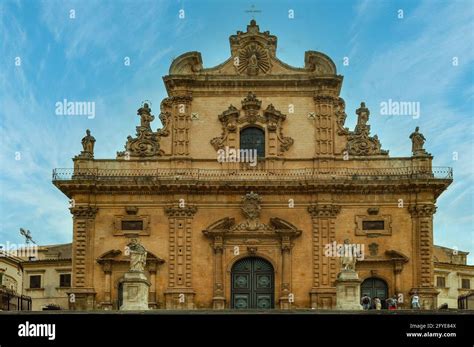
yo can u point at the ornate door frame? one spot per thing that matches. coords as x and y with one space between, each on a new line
232 242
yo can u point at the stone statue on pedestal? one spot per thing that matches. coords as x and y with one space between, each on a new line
348 282
417 142
348 260
138 255
88 142
135 284
145 116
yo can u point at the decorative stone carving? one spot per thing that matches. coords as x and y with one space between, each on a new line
146 143
324 210
88 142
373 249
145 116
83 211
278 234
252 50
251 210
373 210
251 205
319 63
251 113
166 107
273 117
359 141
251 103
131 210
190 62
417 142
422 210
339 111
253 59
176 211
252 250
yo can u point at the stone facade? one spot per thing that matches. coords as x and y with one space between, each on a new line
51 263
318 183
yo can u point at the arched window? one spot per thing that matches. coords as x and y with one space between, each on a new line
253 138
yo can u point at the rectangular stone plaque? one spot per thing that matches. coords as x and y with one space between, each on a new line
132 225
373 225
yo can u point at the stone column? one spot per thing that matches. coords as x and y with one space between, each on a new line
285 273
82 294
107 268
397 270
180 292
422 228
152 269
218 301
323 293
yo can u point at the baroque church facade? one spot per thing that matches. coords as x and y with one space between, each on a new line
232 235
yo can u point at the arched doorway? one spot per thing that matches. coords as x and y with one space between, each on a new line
375 287
252 284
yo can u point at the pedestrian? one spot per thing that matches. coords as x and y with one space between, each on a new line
377 303
415 301
365 302
389 303
392 303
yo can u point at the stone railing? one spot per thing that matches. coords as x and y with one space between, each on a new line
253 175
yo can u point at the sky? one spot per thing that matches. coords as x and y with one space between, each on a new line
413 51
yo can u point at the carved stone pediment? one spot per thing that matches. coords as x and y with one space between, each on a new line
397 256
253 55
251 227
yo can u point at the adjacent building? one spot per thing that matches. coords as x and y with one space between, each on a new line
11 284
47 277
453 277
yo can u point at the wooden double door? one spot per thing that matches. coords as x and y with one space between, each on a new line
253 284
